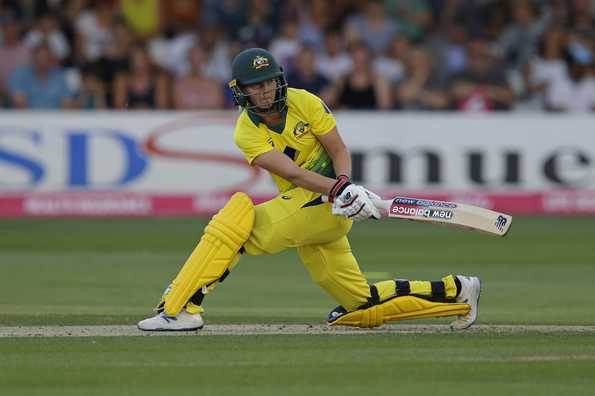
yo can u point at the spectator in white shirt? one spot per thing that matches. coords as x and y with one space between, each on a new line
334 63
46 31
285 47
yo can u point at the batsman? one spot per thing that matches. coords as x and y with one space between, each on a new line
293 135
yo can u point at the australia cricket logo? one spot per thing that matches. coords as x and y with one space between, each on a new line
260 62
500 223
300 129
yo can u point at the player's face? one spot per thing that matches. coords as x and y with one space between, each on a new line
262 94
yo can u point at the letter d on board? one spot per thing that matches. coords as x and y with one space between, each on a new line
78 147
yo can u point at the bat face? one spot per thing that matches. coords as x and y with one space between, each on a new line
450 213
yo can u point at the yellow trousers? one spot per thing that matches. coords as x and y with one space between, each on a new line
293 220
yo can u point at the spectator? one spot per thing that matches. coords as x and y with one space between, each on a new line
448 49
196 91
519 40
547 68
143 86
171 53
421 89
574 90
314 21
94 31
218 52
258 31
114 59
482 86
305 76
92 91
285 48
46 30
362 88
41 85
335 62
391 65
372 27
13 52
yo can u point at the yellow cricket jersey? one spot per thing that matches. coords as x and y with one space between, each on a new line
305 117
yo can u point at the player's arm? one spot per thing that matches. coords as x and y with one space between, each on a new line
278 163
336 149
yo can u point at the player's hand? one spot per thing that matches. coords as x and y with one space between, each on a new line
355 202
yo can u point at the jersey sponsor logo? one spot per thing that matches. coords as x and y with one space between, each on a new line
424 202
407 210
260 62
300 129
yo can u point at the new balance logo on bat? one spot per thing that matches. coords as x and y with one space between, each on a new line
413 211
500 223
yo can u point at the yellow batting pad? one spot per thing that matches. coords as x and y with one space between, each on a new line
216 251
399 308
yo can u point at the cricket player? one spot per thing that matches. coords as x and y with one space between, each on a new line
293 135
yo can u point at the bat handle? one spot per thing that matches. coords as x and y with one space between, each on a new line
383 205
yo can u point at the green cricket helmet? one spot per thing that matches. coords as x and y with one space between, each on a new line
253 66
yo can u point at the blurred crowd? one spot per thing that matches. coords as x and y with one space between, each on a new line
466 55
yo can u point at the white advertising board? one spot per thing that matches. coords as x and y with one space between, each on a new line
151 163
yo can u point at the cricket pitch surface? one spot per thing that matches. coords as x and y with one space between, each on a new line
276 329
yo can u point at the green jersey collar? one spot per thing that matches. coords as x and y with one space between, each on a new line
256 119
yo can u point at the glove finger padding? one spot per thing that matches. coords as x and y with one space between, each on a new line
354 202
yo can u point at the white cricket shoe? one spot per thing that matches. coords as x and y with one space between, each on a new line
183 322
469 294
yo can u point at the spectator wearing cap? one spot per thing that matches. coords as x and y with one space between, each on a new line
41 85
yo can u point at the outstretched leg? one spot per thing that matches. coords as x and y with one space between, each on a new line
403 299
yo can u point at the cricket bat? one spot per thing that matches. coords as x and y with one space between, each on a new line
448 213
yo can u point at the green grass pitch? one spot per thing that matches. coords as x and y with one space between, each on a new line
83 272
